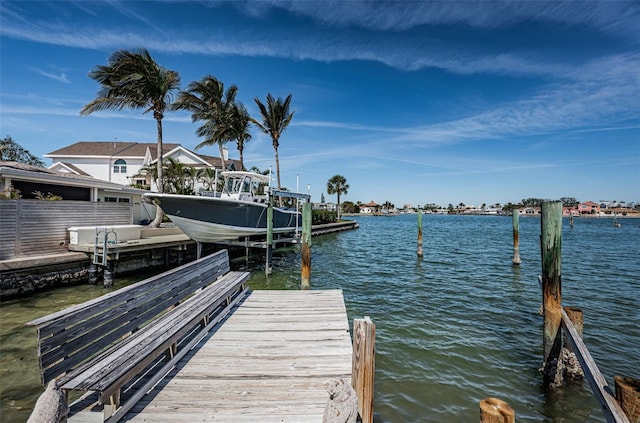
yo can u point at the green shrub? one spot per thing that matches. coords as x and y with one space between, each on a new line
319 217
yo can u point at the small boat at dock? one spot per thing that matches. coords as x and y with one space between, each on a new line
240 210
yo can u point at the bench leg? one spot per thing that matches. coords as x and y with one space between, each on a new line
171 352
112 406
205 321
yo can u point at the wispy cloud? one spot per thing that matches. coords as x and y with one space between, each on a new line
607 16
601 96
9 109
60 77
334 39
572 95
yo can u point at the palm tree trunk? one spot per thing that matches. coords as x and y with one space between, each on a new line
222 156
338 206
159 213
277 167
240 149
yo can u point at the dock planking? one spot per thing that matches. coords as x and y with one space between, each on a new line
268 360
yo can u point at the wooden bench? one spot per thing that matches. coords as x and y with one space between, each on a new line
106 343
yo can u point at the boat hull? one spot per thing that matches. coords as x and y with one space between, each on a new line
209 219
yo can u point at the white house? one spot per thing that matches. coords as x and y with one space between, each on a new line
120 162
369 208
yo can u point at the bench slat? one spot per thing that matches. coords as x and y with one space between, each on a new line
220 256
87 319
70 329
125 317
91 307
133 354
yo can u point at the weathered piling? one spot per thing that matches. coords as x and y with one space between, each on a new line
570 363
516 238
494 410
269 246
363 366
108 274
306 246
420 253
551 248
628 396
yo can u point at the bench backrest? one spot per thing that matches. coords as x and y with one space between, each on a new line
71 336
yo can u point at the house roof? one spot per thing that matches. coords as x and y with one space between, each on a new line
370 204
216 162
110 149
25 172
70 167
129 149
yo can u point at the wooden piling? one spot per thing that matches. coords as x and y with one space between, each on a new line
363 366
269 252
628 396
306 246
516 238
551 248
494 410
420 253
108 274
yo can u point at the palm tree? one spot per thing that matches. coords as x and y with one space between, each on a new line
275 119
239 130
337 185
208 177
133 80
209 103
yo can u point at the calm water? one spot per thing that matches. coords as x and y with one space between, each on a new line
455 327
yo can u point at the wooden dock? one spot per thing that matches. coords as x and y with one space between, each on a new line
267 361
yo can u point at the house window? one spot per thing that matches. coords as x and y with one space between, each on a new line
117 200
120 166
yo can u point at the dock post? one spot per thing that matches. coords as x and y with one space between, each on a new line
363 366
267 267
108 274
516 239
628 396
93 274
551 248
420 253
571 219
306 246
198 249
494 410
572 368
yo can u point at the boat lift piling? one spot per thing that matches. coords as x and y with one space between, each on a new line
306 233
269 243
305 272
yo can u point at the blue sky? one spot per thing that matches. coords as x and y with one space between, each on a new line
412 102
